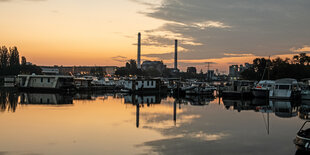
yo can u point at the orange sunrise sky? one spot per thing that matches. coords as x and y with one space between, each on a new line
100 32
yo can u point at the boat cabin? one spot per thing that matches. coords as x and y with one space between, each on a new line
45 81
143 85
284 89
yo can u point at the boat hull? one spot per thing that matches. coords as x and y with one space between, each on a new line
260 93
305 97
302 143
236 95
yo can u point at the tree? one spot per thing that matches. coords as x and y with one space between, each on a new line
278 68
302 59
14 56
14 61
4 57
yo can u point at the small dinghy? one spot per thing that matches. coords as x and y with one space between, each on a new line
302 140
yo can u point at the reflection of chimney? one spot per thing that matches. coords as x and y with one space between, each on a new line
176 55
137 115
139 51
175 112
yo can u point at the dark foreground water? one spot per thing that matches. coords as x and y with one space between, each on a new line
117 124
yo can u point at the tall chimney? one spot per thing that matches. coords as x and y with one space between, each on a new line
139 51
176 55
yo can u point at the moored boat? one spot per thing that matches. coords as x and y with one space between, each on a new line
262 89
302 140
144 86
199 88
285 89
45 83
238 89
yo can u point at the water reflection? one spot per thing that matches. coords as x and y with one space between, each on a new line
37 98
8 100
197 100
197 124
281 108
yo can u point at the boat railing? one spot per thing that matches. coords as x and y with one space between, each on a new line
303 126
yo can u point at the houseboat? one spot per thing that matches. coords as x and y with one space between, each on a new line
262 89
238 89
144 86
45 83
285 89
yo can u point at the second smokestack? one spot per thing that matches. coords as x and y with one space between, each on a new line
139 51
176 55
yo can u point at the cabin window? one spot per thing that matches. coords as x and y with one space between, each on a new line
48 80
41 79
284 87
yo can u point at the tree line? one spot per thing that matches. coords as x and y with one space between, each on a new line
298 67
10 63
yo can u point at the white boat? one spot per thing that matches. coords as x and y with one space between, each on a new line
285 89
103 82
143 86
262 88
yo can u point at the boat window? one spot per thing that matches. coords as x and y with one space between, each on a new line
284 87
48 79
41 79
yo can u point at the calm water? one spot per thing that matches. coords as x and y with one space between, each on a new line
117 124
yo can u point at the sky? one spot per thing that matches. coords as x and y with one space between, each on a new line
102 32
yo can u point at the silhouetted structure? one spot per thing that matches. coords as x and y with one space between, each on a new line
176 55
139 51
191 70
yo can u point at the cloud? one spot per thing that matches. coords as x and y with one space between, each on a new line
147 3
188 55
119 58
212 24
217 27
23 0
305 48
